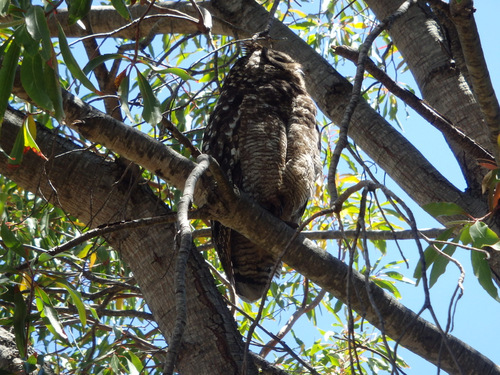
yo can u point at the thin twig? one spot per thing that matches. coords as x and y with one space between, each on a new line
361 224
177 134
355 96
372 235
291 321
105 229
460 287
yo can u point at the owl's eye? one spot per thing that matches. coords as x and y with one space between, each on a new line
280 58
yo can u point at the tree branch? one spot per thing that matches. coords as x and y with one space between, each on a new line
266 230
97 192
420 106
462 16
186 243
354 98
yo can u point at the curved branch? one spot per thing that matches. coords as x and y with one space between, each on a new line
186 243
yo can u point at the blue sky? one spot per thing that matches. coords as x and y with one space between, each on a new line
473 319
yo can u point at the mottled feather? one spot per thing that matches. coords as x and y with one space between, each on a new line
264 136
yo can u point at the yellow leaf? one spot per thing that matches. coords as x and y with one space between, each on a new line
119 303
348 178
298 12
25 283
93 258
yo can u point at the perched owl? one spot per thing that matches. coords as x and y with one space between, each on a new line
263 134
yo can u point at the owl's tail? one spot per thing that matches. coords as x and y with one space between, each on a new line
252 267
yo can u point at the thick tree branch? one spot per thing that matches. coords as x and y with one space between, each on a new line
443 86
420 106
386 146
462 16
266 230
186 244
98 192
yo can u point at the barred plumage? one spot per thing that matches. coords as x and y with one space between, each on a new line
263 134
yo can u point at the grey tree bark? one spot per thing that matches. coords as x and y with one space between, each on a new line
100 192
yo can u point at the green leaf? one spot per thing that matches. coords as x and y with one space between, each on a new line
387 285
122 9
44 257
176 71
77 300
23 38
132 369
78 9
48 312
25 141
151 112
437 209
115 364
10 240
31 359
71 63
7 74
34 83
482 235
430 254
123 91
19 321
136 361
36 24
95 62
29 135
53 88
439 266
482 271
17 152
55 326
4 7
465 237
43 298
399 277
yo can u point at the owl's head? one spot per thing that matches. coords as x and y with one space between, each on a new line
280 63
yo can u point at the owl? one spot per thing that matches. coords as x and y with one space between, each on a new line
263 134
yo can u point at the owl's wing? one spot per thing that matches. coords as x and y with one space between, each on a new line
262 152
221 237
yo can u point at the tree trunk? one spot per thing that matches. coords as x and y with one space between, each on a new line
100 192
441 82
